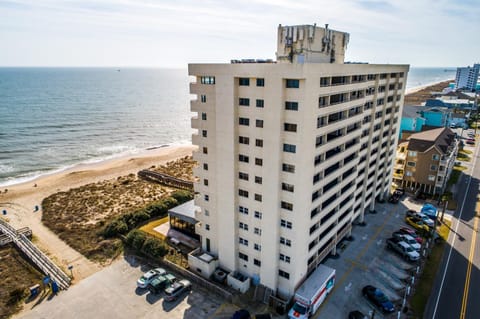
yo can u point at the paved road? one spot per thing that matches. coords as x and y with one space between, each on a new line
456 289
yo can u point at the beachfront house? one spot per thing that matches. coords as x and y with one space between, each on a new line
424 160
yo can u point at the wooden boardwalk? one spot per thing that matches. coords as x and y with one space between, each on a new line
165 179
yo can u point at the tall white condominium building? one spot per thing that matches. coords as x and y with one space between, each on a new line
467 77
291 153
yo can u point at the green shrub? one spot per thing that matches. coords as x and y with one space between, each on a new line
182 196
136 238
117 226
154 247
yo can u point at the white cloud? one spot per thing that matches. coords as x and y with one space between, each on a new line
163 33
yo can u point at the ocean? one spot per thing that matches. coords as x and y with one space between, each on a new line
54 118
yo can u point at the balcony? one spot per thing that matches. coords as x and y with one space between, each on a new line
401 155
238 281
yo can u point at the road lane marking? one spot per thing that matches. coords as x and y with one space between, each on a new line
469 270
456 232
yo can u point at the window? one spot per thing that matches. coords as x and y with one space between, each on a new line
207 227
324 81
287 206
411 164
243 121
203 98
289 127
207 213
257 262
258 215
205 182
259 103
204 116
243 101
205 166
258 142
243 193
284 258
204 133
243 158
431 178
283 274
243 226
205 150
287 187
243 210
243 140
435 157
259 123
257 231
292 106
206 198
322 101
258 180
433 167
243 241
285 224
258 161
257 247
412 153
286 242
243 256
244 81
290 148
260 82
292 83
207 79
408 173
288 168
243 176
258 197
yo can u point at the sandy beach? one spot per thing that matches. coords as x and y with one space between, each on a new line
20 200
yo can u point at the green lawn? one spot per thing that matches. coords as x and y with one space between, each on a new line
425 283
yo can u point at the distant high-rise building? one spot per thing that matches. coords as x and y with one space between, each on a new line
290 154
467 77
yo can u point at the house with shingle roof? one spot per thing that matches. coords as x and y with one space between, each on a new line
424 160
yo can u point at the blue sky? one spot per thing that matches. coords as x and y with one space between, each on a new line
165 33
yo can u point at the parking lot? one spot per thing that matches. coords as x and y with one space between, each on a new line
112 293
367 261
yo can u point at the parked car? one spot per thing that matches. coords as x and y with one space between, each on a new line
356 315
411 232
408 239
410 213
417 223
150 275
470 141
160 282
394 198
176 289
404 249
241 314
427 220
378 298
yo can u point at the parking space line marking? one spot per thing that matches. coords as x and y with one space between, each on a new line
340 281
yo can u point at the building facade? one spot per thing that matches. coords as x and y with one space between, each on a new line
467 77
424 161
291 153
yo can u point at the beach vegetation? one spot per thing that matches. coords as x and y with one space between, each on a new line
146 244
17 276
94 217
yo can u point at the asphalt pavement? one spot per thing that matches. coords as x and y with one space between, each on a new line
456 287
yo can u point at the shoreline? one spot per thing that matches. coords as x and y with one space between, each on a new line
21 199
416 89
